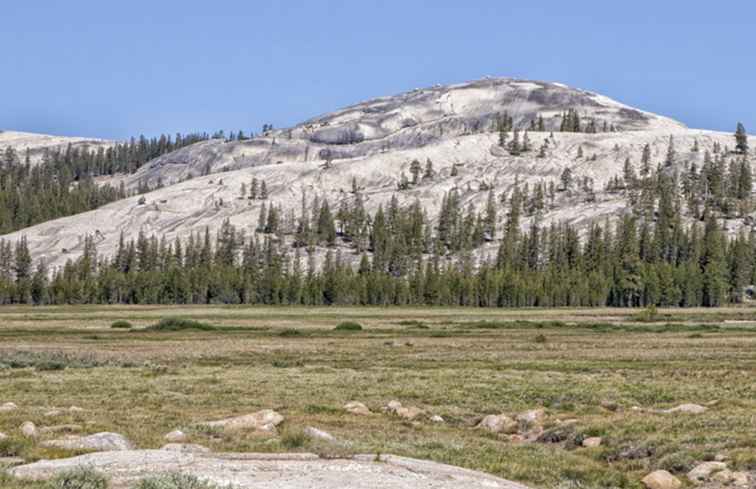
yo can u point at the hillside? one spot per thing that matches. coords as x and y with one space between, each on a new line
372 144
37 144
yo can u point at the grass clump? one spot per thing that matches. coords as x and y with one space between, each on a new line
292 439
540 338
79 478
180 324
348 326
121 324
175 481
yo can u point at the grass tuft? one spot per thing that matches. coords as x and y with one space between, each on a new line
121 324
348 326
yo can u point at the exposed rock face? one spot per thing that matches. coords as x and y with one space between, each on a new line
661 479
265 420
498 423
356 407
37 144
372 143
271 471
102 442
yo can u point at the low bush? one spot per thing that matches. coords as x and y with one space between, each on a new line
121 324
180 324
289 332
348 326
79 478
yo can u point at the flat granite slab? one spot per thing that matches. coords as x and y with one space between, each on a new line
272 471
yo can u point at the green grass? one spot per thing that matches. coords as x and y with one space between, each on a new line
121 324
348 326
181 324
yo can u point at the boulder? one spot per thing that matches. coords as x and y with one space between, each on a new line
317 434
437 419
686 409
498 423
265 420
703 472
356 407
185 448
176 436
592 442
99 442
7 407
531 418
661 479
29 429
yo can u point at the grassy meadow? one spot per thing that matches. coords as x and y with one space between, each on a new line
610 370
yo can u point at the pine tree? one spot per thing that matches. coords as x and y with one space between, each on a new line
741 139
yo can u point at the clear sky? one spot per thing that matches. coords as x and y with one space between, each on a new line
116 69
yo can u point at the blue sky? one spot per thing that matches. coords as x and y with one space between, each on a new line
115 69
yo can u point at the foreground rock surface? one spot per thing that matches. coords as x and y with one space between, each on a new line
271 471
99 442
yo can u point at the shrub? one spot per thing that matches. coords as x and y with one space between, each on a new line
121 324
174 481
348 326
79 478
540 339
180 324
289 332
292 439
649 314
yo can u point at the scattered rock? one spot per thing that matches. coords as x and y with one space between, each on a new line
723 476
592 442
686 409
185 448
265 420
176 436
75 409
29 430
702 472
498 423
437 419
530 419
7 407
356 407
557 434
408 413
609 405
317 434
661 479
100 442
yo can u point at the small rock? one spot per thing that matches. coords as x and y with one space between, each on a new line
437 419
703 471
75 409
176 436
392 406
317 434
29 430
53 412
7 407
529 419
265 420
498 423
721 457
592 442
686 409
609 405
99 442
356 407
3 436
661 479
185 448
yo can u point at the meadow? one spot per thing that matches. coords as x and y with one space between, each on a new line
605 373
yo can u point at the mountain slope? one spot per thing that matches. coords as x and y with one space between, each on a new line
370 145
36 144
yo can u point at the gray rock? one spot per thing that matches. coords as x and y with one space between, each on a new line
101 442
317 434
265 420
686 409
702 472
498 423
272 471
7 407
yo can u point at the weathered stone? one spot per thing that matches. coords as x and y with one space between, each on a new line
185 448
176 436
661 479
317 434
101 442
29 430
686 409
702 472
7 407
592 442
265 471
498 423
356 407
265 420
609 405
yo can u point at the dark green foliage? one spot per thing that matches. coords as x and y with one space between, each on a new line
348 326
180 324
121 324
